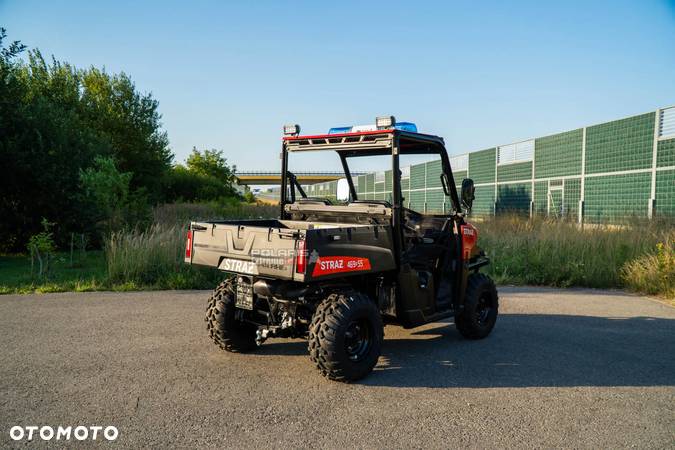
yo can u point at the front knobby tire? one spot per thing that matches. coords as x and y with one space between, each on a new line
225 330
481 306
345 337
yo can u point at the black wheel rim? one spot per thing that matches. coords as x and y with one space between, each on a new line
483 309
357 339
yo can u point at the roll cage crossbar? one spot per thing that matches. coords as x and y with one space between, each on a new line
368 143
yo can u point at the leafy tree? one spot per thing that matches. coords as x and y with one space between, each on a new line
206 176
211 163
131 123
249 197
55 120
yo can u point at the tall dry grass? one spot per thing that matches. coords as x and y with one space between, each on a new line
153 257
555 253
654 272
522 251
144 256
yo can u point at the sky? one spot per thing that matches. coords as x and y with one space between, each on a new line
229 74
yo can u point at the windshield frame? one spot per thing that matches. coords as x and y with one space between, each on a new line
372 143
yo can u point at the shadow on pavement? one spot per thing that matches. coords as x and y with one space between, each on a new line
524 351
534 350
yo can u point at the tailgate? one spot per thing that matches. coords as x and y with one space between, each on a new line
251 250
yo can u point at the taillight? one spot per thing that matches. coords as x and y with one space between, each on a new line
188 245
469 239
300 258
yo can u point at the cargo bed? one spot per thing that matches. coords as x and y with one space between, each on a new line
289 249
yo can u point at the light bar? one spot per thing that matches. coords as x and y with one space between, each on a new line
403 126
385 122
291 130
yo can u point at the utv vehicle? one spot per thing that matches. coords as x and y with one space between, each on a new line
335 273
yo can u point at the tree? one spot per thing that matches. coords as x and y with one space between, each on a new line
211 163
206 177
56 120
130 121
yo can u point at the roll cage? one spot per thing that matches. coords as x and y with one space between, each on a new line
368 143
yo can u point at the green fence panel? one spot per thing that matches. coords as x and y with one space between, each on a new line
540 197
361 184
613 198
625 144
434 170
514 172
665 153
482 165
558 155
459 176
417 201
370 182
514 197
417 177
572 189
435 201
484 202
665 193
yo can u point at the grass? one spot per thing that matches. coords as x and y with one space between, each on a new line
562 254
140 260
154 258
87 273
131 260
653 273
523 252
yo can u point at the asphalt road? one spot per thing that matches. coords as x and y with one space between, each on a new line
563 368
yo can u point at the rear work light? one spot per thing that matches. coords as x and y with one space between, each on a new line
385 122
300 258
291 130
188 245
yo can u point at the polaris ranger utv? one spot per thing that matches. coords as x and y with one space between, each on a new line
335 273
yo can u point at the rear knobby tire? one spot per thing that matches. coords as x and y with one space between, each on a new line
345 337
481 306
225 330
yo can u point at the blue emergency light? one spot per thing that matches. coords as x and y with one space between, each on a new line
381 123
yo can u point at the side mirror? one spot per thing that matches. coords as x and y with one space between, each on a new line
343 190
468 191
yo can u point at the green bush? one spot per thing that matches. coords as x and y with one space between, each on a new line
107 196
653 273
